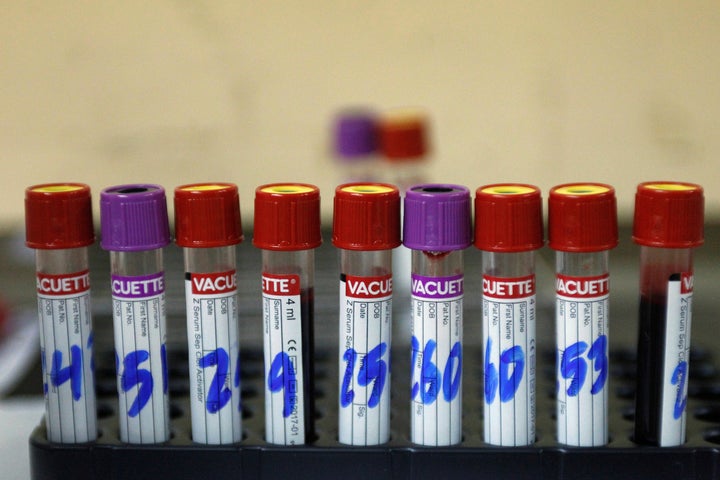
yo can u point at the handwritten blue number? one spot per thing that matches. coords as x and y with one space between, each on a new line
282 376
430 378
218 394
573 367
598 354
509 384
73 372
133 376
415 348
503 381
347 395
373 369
679 377
451 384
429 375
491 375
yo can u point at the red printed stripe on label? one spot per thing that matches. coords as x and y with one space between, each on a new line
213 283
368 287
687 282
280 284
503 287
582 287
67 284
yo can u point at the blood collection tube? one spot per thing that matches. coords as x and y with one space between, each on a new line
287 229
366 227
508 230
582 228
134 228
59 226
404 146
207 226
437 228
668 224
403 137
356 145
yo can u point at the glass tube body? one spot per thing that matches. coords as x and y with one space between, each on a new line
436 347
139 319
582 309
213 344
509 320
290 264
365 344
66 344
657 319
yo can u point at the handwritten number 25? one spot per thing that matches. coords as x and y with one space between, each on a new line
373 371
218 394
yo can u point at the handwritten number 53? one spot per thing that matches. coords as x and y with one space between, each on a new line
574 367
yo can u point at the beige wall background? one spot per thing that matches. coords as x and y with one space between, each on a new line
178 91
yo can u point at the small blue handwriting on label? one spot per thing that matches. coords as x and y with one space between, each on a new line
573 366
373 371
502 381
431 381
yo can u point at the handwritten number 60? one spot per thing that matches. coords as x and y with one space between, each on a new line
504 382
431 381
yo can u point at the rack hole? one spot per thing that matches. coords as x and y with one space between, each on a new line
708 413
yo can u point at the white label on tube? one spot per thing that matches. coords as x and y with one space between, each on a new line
283 346
436 365
582 359
66 345
677 357
365 331
509 360
140 335
213 353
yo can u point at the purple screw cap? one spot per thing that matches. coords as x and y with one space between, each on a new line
437 217
134 218
355 134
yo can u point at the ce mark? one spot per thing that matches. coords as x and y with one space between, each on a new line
291 345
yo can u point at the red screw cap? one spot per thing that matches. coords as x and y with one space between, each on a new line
366 216
207 215
508 218
58 215
582 217
287 217
403 136
669 215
